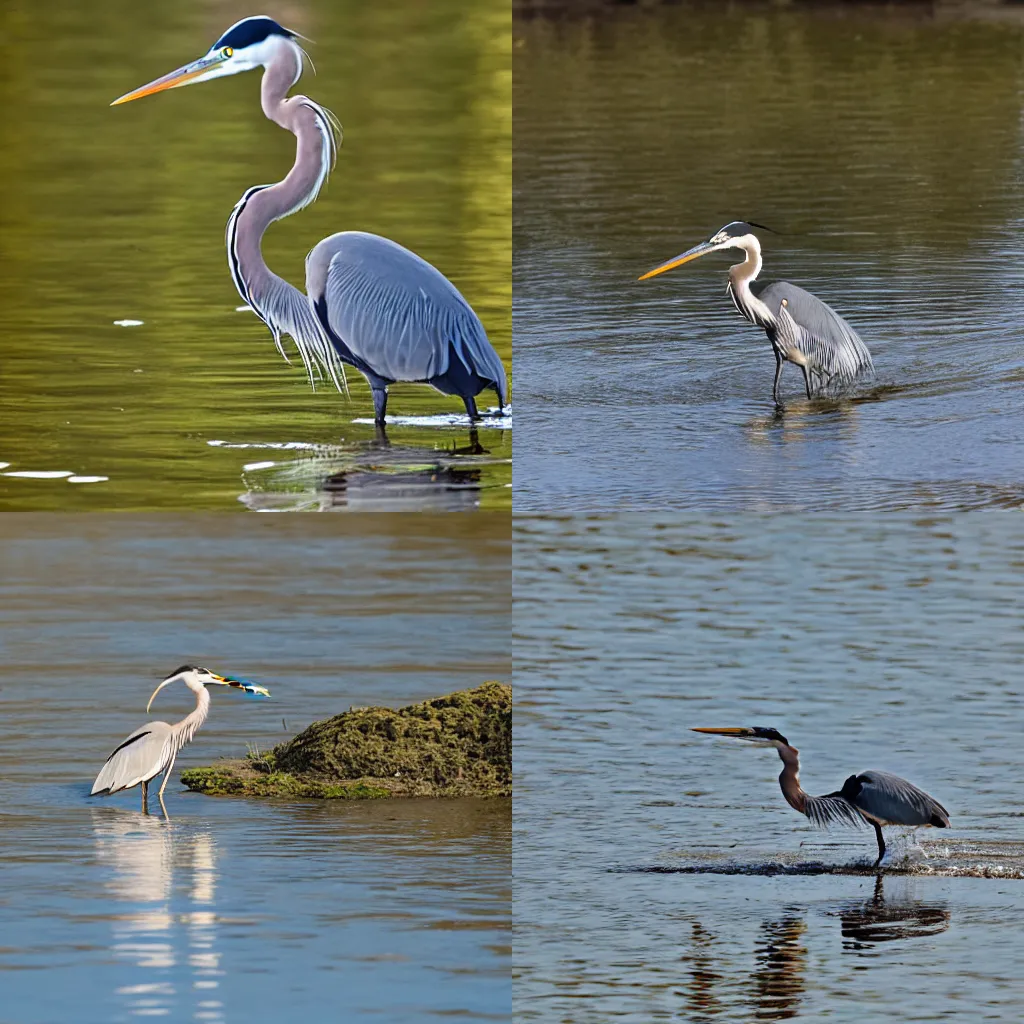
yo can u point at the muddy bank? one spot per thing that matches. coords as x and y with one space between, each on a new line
456 745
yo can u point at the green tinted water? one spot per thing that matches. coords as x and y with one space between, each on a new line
117 214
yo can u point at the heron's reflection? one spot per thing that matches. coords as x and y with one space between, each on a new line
372 475
879 920
778 979
781 960
160 942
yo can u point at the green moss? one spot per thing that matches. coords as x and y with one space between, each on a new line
456 745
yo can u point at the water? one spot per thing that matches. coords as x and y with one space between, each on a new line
885 146
660 874
118 215
240 909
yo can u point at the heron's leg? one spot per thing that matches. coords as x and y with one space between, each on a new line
807 379
471 409
145 796
778 374
881 843
380 404
167 775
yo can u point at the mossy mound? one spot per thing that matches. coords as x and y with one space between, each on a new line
457 745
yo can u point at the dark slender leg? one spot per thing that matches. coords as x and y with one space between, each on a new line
145 798
380 404
471 409
778 374
881 843
807 379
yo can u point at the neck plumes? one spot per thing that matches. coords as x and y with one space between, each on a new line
282 307
188 726
789 779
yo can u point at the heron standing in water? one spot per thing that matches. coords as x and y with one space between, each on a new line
152 748
801 328
370 302
874 798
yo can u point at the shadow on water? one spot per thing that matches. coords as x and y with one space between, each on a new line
778 979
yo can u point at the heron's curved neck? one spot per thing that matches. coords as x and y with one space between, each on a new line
789 779
263 204
187 727
740 277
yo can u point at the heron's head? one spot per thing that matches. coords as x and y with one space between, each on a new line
755 734
248 44
194 677
737 234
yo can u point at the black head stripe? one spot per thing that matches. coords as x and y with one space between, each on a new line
251 31
180 670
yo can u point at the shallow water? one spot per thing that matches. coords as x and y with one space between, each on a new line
884 146
236 909
660 874
116 216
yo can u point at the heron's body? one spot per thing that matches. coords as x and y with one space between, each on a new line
152 748
873 797
371 303
801 328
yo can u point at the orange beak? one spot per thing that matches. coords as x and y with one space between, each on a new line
183 76
677 261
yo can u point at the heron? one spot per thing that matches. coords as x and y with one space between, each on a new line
801 328
370 303
152 748
872 797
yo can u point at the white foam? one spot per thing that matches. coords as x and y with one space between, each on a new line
243 309
4 465
253 466
41 474
492 418
272 445
87 479
128 323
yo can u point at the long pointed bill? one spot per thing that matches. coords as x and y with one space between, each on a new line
727 732
183 76
677 261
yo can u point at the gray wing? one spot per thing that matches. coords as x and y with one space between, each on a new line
891 800
396 313
831 345
141 756
832 809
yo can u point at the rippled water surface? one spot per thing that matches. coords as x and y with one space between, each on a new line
242 910
116 217
660 874
884 146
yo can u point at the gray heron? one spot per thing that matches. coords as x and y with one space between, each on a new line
152 748
801 328
370 303
872 797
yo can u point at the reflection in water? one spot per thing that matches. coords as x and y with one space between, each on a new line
778 979
141 853
376 476
864 924
702 1002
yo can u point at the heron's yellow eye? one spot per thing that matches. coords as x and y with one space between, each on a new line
226 52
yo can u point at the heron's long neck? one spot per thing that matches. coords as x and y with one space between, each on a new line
740 277
789 779
187 727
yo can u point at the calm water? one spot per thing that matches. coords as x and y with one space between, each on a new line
893 645
887 150
119 214
243 910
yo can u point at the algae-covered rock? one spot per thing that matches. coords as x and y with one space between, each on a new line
457 745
